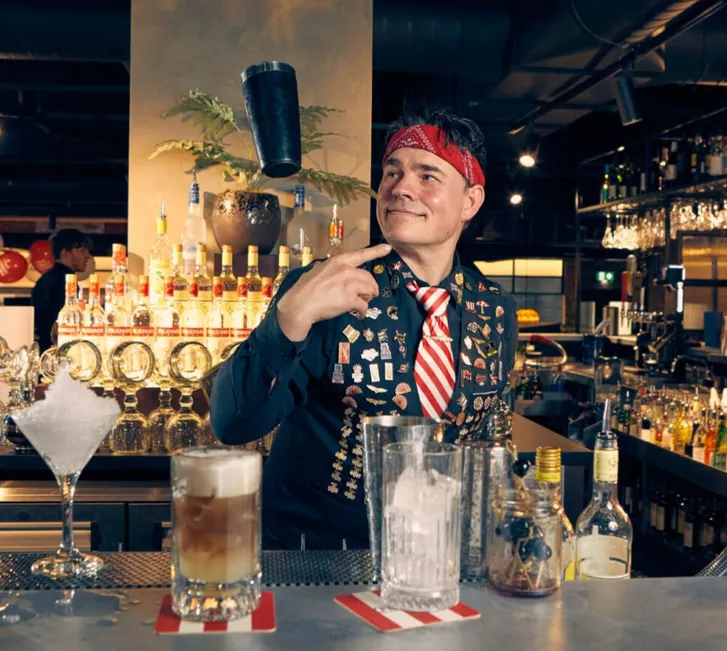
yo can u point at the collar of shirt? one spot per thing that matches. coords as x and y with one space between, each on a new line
452 282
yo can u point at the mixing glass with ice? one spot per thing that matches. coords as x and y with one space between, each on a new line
421 526
66 429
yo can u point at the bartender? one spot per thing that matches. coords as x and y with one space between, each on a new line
399 328
71 250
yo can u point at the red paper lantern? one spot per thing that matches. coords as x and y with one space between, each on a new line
13 266
41 256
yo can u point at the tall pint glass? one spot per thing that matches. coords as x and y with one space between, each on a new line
216 533
420 557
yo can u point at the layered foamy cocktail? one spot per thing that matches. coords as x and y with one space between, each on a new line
216 533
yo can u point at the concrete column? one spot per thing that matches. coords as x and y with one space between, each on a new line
179 45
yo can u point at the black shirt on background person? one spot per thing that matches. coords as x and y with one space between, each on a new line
71 252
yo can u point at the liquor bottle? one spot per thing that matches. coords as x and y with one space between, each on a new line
716 159
283 267
142 327
720 455
118 320
159 260
547 477
266 296
254 288
682 429
118 266
335 245
240 331
194 231
710 438
227 278
603 531
218 321
307 256
299 223
194 319
180 282
624 180
646 432
708 533
690 519
612 183
604 185
701 148
671 169
167 328
657 175
201 280
69 318
93 319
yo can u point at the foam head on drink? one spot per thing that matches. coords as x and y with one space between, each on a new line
217 515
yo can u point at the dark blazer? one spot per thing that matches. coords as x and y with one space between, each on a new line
318 390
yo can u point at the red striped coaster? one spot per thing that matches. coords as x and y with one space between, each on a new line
370 607
261 620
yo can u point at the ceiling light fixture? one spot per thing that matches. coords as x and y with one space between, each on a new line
625 98
516 198
529 155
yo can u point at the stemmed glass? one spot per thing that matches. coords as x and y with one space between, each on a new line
188 363
66 429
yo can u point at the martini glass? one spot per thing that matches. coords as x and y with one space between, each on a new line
66 429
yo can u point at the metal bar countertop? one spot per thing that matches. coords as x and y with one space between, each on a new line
648 614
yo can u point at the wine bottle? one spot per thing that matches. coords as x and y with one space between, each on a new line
604 533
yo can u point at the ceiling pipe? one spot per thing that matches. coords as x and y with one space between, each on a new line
693 15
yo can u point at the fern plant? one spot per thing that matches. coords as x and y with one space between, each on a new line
218 121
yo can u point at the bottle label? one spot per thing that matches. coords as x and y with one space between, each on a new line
660 519
180 294
605 465
118 331
688 535
168 332
706 536
194 333
681 521
229 295
603 557
549 477
698 454
241 333
652 514
93 331
646 435
142 331
119 255
219 333
204 295
193 289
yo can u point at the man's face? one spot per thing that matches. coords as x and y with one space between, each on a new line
80 256
423 200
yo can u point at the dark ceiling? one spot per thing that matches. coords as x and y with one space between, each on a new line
64 88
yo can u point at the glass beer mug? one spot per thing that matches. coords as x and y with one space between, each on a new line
216 533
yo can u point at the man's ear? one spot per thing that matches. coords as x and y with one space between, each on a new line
474 198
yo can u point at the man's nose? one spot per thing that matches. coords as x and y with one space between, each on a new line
403 187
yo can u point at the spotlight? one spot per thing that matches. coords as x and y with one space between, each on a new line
620 148
527 159
625 99
516 198
529 155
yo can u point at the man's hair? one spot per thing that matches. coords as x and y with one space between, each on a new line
464 133
68 238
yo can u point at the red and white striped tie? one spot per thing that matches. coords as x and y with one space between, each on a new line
434 370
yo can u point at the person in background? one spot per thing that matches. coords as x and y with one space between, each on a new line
71 251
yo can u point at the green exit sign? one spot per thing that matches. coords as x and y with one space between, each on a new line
605 276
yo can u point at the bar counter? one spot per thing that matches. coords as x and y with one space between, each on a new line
649 614
126 498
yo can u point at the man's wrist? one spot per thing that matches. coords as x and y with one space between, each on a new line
293 323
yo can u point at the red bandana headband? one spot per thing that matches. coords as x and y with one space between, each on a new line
431 139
